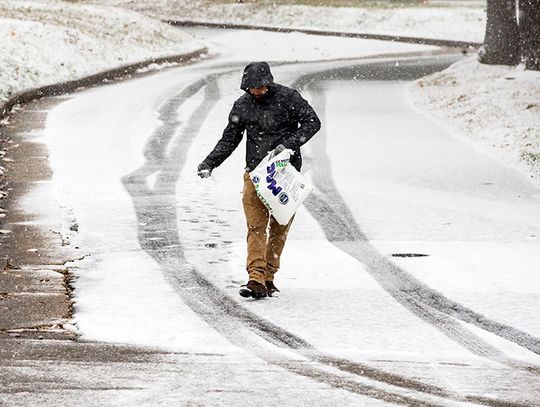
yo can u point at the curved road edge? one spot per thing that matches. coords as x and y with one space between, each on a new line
365 36
114 74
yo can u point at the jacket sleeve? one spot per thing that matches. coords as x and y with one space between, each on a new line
232 135
308 120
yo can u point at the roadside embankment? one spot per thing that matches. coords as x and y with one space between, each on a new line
497 108
45 42
438 21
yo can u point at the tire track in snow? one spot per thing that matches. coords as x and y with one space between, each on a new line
156 212
340 227
157 215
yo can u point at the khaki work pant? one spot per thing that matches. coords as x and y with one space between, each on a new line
265 236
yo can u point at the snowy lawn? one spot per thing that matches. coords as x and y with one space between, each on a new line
465 22
495 107
45 42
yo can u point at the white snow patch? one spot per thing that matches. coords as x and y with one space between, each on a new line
495 107
460 22
44 42
246 45
125 299
304 267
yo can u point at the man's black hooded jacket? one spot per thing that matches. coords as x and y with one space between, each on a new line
281 116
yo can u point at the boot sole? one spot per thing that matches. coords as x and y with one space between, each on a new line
247 293
244 292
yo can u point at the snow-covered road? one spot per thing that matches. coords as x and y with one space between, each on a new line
409 276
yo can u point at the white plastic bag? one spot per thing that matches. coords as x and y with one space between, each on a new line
280 187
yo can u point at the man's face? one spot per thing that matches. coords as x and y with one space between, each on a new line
258 92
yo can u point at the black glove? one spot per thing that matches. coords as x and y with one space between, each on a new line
204 170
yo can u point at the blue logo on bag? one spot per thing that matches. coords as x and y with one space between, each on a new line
256 179
271 171
283 198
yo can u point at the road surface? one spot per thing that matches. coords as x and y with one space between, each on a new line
408 278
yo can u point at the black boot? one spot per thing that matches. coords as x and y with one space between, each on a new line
271 288
253 289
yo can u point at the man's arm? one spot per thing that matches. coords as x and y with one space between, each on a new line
232 135
308 120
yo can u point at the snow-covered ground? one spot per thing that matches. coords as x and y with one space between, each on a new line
117 275
45 42
251 45
410 186
495 107
464 22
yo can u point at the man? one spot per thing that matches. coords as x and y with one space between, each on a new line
274 117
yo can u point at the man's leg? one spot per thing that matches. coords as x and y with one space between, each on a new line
276 241
257 222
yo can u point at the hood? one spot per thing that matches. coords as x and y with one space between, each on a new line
256 74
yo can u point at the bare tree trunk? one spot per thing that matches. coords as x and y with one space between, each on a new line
529 28
501 43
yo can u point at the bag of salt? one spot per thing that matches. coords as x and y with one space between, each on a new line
279 186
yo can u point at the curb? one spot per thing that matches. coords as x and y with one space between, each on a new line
119 73
382 37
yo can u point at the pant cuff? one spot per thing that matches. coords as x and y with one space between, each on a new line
257 276
269 273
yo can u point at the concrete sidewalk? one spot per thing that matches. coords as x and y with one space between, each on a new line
34 282
65 373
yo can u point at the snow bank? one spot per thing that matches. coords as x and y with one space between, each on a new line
495 107
50 41
451 23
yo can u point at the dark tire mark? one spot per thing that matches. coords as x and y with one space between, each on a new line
341 228
154 150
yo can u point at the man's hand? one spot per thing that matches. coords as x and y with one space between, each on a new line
278 150
204 170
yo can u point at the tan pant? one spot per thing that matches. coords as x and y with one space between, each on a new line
265 236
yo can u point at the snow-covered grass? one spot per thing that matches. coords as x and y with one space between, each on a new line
45 42
465 22
496 107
